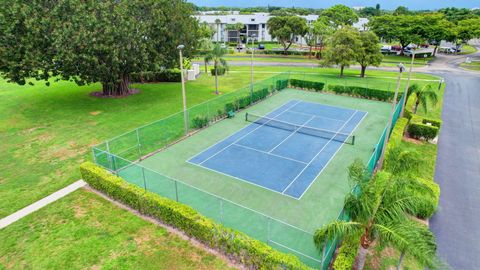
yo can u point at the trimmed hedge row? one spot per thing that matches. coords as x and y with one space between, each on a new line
245 249
362 92
281 84
308 85
433 122
346 254
397 133
422 131
168 75
243 102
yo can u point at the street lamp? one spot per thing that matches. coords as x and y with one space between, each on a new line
185 114
252 37
408 82
401 68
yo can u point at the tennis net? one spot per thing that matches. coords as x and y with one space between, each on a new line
327 134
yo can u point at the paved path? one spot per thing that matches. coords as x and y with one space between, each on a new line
4 222
457 221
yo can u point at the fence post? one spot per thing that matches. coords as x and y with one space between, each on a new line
323 255
94 156
109 157
138 143
176 190
144 179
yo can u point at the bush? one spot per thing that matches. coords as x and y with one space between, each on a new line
243 248
422 131
281 84
230 107
199 122
167 75
363 92
433 122
307 85
221 71
260 94
243 102
427 200
397 133
346 254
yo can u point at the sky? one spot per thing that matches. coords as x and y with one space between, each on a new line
385 4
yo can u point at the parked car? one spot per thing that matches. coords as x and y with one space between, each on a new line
261 46
241 46
386 49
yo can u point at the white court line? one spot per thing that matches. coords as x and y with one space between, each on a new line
331 158
293 133
334 107
268 153
246 135
317 116
240 179
210 147
295 179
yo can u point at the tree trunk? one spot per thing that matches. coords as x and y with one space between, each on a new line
361 258
399 265
206 68
362 73
435 51
118 88
216 79
310 53
417 103
342 67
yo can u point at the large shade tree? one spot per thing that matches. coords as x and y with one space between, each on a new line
342 48
286 29
368 53
437 28
92 41
340 15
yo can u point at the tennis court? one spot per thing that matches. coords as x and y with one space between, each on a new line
285 150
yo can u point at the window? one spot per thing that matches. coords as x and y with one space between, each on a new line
263 25
232 19
252 20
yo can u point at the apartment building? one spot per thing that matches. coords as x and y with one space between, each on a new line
254 24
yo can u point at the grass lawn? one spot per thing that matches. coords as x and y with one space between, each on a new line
85 231
468 49
472 66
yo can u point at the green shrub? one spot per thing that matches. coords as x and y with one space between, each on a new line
243 102
221 71
422 131
199 121
397 133
168 75
433 122
308 85
260 94
362 92
281 84
346 254
251 252
230 107
427 200
407 114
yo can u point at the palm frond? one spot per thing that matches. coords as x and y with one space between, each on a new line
337 228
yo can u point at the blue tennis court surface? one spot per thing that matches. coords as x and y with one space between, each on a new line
285 150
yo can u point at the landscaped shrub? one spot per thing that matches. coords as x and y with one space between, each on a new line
397 133
363 92
220 72
167 75
307 85
433 122
230 107
243 102
251 252
422 131
281 84
260 94
427 200
199 122
346 254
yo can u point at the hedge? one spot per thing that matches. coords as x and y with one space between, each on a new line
220 72
362 92
199 122
346 254
243 248
433 122
281 84
168 75
308 85
427 202
397 133
422 131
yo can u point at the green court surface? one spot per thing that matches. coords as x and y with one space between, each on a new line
281 221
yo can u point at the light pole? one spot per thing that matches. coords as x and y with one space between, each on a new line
401 68
408 82
185 113
251 67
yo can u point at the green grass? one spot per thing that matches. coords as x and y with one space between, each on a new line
468 49
84 231
475 66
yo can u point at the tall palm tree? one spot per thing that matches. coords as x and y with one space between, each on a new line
423 96
216 56
378 213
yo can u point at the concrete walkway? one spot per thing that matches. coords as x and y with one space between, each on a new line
4 222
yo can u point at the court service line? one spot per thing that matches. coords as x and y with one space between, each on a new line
331 158
223 149
311 161
246 127
268 153
291 134
318 116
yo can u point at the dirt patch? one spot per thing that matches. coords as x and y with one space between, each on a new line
412 140
95 113
79 211
99 94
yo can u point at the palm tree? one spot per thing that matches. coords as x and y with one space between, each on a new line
216 56
423 96
218 22
378 213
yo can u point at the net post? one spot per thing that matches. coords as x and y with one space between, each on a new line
246 117
353 139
